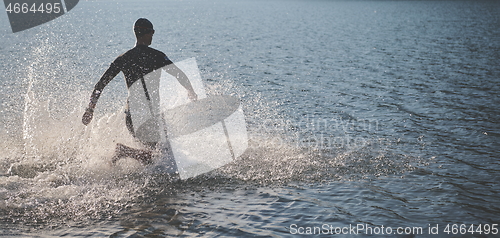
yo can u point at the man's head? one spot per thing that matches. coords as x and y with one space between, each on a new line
144 31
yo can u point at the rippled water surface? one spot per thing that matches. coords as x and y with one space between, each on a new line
370 113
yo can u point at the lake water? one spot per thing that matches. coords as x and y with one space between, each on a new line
374 115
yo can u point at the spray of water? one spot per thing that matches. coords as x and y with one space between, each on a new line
60 174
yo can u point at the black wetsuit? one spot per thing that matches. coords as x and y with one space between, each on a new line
135 64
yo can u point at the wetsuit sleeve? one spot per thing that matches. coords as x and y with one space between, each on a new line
182 78
111 73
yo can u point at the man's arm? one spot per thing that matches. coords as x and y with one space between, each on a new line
173 70
105 79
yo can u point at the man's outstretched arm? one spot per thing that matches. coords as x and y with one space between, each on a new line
173 70
105 79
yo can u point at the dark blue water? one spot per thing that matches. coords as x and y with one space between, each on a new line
366 114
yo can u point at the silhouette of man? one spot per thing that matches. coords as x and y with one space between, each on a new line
135 64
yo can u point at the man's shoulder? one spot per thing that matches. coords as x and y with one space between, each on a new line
139 52
155 51
143 49
125 55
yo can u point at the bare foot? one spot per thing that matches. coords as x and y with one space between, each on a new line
141 155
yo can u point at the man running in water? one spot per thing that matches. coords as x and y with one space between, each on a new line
135 64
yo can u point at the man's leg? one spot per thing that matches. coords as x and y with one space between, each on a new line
142 155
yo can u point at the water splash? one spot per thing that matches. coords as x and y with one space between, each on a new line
61 174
